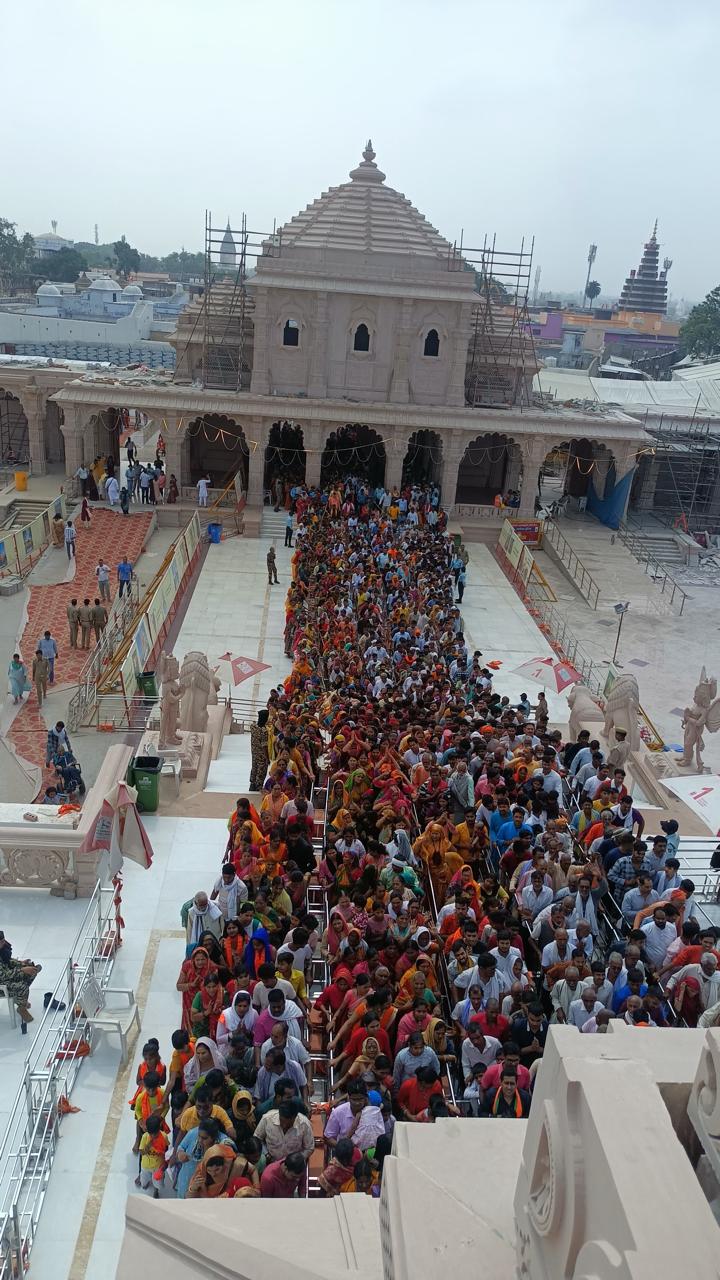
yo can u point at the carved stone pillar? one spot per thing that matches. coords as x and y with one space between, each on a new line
257 432
313 440
174 438
460 338
532 462
317 382
400 386
73 429
395 450
260 380
453 450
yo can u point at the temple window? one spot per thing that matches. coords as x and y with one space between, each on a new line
291 334
432 343
361 341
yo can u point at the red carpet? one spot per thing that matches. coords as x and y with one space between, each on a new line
109 537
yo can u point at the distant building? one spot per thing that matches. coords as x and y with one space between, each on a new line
101 322
50 242
646 288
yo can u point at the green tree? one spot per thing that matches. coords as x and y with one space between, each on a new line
183 264
700 334
17 256
128 259
66 264
593 289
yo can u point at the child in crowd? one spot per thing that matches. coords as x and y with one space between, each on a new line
153 1154
149 1100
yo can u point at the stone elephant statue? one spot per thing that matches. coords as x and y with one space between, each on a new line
621 710
584 711
197 687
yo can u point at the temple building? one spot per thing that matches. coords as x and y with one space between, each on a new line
646 289
361 336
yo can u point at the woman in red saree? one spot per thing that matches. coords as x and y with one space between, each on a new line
193 973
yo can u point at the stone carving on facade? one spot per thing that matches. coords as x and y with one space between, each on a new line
196 686
171 694
38 869
703 714
622 706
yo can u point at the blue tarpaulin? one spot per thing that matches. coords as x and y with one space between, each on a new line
609 510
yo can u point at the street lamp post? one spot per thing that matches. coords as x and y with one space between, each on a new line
620 609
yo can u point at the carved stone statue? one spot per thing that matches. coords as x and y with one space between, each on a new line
703 714
621 711
584 710
196 686
167 673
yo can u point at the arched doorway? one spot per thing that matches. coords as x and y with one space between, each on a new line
103 435
490 465
423 460
353 450
567 470
284 457
218 448
14 437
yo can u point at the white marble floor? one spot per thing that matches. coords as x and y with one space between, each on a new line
233 608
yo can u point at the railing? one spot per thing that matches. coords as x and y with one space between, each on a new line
594 674
638 548
585 583
83 703
480 511
51 1068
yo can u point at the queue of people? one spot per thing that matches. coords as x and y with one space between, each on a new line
467 906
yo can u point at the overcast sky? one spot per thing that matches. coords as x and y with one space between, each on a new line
570 121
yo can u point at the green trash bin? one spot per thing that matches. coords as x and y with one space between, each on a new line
146 772
147 684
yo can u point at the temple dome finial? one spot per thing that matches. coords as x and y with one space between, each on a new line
367 170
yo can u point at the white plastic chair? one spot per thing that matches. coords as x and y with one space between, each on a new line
11 1006
93 1000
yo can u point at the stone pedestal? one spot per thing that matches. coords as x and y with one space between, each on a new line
193 751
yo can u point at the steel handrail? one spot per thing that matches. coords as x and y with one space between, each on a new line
574 565
637 548
51 1068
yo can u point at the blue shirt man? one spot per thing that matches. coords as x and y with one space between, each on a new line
124 573
49 650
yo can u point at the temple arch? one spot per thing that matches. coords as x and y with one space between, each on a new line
354 449
432 343
285 458
422 463
567 469
219 448
490 465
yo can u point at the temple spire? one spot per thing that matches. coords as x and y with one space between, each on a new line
646 288
367 170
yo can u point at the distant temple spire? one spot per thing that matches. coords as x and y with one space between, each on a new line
646 289
227 248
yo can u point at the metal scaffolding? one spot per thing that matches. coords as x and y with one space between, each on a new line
222 319
501 352
685 465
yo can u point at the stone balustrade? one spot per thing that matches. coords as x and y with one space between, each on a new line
41 850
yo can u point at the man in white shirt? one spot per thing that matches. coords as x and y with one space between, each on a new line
552 782
535 896
594 783
659 933
586 1007
505 954
492 982
477 1048
229 891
